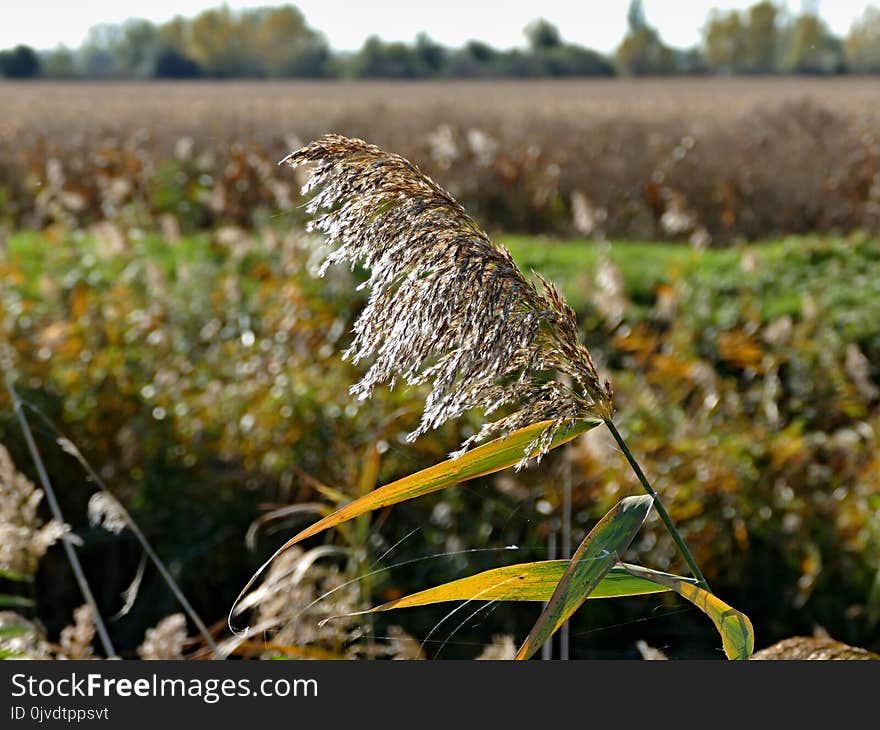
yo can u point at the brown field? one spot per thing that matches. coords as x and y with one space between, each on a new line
282 107
703 159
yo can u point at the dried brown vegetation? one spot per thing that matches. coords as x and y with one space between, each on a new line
447 306
24 537
707 161
807 648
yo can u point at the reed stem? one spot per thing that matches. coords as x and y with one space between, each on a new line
66 540
661 510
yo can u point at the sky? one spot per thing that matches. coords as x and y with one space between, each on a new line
598 24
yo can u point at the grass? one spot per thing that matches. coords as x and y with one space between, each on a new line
783 271
841 274
784 268
645 265
38 253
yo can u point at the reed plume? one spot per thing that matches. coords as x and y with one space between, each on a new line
24 537
76 639
447 306
165 640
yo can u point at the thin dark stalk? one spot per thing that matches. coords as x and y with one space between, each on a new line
139 535
565 631
72 557
661 510
547 648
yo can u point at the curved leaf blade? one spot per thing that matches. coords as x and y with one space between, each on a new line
486 459
737 634
590 563
524 582
13 575
7 601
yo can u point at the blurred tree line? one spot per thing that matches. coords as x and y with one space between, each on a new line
278 43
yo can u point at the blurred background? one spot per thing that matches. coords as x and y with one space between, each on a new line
701 178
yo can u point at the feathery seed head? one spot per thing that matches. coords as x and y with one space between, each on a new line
447 306
24 537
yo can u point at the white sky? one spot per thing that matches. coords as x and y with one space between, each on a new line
599 24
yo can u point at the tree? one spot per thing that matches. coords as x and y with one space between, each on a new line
59 63
571 60
171 64
542 35
97 56
431 57
811 48
176 34
477 59
216 41
21 62
863 43
378 59
136 49
724 42
642 52
635 16
689 61
283 44
761 38
274 42
549 55
480 52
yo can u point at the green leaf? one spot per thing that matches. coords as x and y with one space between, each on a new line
486 459
524 582
13 575
590 563
13 630
7 601
737 635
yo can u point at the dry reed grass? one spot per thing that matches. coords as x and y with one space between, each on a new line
703 160
24 537
447 306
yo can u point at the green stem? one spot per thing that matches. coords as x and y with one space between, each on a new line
661 510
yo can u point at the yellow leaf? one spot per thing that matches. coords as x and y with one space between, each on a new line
486 459
737 635
524 582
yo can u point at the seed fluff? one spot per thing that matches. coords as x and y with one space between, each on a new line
447 307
